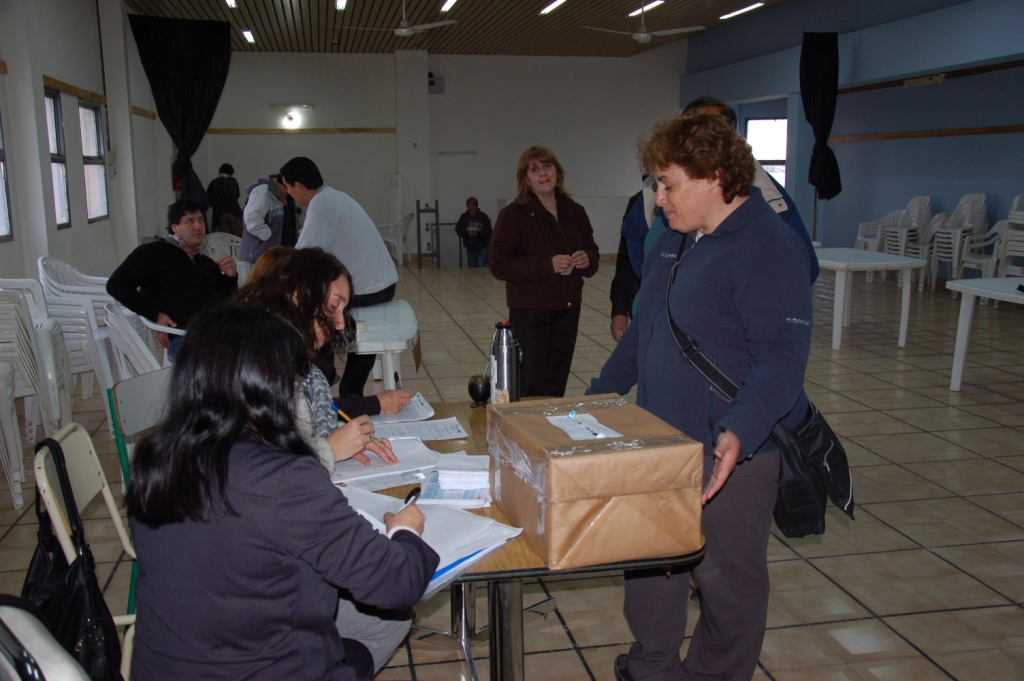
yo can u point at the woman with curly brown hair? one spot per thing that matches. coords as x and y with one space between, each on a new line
733 278
542 248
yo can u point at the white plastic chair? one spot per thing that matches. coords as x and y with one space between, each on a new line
41 371
394 235
871 236
61 279
1011 250
10 439
87 481
217 244
916 217
132 356
969 217
921 248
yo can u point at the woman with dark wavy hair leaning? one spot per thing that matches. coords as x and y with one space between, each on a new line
242 541
734 278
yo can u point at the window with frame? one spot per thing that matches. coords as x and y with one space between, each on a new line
58 159
6 231
90 119
767 139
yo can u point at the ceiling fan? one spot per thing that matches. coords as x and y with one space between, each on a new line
643 35
404 29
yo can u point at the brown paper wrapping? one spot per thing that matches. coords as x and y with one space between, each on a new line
592 502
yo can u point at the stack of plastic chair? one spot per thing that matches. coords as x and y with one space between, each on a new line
916 217
41 372
217 244
969 217
921 248
1011 250
394 235
132 356
871 236
61 279
10 440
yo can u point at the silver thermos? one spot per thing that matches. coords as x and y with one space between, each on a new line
505 359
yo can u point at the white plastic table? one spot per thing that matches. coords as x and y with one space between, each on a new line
998 288
845 261
390 328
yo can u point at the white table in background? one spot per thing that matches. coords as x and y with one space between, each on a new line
997 288
390 328
845 261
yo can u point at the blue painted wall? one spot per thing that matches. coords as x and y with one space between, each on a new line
879 177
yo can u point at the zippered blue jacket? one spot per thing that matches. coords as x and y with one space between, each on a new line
742 293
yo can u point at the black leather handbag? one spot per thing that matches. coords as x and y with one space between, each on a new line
813 467
69 596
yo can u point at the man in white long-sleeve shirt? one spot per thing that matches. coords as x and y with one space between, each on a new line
269 218
337 223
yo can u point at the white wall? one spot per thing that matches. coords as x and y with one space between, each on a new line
589 111
355 90
72 49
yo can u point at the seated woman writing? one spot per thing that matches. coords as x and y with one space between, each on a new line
242 541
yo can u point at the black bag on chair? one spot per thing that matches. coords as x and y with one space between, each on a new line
69 596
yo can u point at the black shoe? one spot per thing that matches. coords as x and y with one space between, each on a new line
621 672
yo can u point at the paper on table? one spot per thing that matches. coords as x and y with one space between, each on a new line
417 410
441 429
463 497
583 427
412 455
378 482
460 461
455 534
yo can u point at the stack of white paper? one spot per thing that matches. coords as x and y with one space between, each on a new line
463 472
461 539
412 455
471 497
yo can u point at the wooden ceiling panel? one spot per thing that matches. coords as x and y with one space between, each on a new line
513 27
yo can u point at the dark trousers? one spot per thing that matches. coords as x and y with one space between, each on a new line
733 580
358 367
547 339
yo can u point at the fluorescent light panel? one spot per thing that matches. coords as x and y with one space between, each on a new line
340 5
448 5
730 15
232 4
647 8
248 36
552 7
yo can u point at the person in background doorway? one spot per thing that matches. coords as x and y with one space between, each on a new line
336 223
269 218
223 195
475 229
542 248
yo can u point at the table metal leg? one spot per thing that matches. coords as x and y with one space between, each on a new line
387 364
905 311
963 337
838 309
848 304
505 607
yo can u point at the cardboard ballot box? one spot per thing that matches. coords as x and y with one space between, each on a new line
595 501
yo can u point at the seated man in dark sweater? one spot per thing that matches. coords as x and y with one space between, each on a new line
169 280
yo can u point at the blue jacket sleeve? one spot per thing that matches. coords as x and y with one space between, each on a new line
618 375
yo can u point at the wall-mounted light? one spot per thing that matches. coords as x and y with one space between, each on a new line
647 8
248 37
290 107
447 5
738 12
292 120
552 7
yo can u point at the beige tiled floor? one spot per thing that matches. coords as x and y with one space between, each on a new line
927 583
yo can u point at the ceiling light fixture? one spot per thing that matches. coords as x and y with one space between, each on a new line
646 8
340 5
448 5
232 4
552 7
738 12
248 36
292 120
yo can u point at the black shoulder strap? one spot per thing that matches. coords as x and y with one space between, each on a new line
688 348
71 508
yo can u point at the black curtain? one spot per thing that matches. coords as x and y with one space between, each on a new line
186 63
819 85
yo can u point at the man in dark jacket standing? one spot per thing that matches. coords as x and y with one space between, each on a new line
168 281
223 195
475 229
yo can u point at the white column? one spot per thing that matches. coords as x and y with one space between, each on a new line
412 127
28 154
121 173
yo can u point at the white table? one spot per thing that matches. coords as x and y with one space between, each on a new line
997 288
845 261
390 328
